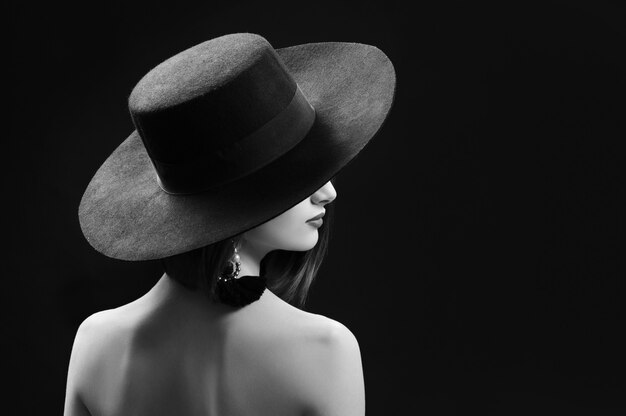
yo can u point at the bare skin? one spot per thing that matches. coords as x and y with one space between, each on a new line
171 352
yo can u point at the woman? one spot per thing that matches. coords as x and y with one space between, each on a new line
223 180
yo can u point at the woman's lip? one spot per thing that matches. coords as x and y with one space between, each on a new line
317 217
317 223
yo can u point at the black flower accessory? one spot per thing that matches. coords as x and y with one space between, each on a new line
240 291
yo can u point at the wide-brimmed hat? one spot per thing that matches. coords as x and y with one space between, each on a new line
231 133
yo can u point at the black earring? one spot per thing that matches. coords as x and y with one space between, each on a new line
236 290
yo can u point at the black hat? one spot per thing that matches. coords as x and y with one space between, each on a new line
229 134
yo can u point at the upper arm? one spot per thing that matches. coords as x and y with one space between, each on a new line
78 367
334 383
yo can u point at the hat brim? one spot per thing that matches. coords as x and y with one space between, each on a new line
124 214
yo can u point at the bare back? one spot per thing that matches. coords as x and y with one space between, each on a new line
171 352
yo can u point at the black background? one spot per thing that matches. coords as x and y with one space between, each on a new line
476 249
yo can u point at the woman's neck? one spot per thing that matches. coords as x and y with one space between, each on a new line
250 258
167 292
171 297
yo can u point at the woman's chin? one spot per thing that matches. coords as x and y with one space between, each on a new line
307 242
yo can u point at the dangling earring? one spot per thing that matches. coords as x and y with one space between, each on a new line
236 290
233 266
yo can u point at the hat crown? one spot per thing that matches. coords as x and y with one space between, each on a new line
199 70
218 111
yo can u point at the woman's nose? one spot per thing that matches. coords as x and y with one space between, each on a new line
325 195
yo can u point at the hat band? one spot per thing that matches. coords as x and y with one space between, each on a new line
238 159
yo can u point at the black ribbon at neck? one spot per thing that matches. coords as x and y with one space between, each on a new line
241 291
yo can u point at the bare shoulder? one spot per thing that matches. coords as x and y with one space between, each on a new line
95 322
94 336
88 331
319 330
92 339
302 327
324 367
99 329
300 330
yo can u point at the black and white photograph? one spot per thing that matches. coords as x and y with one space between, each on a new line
316 208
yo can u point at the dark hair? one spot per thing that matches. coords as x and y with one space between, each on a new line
289 273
